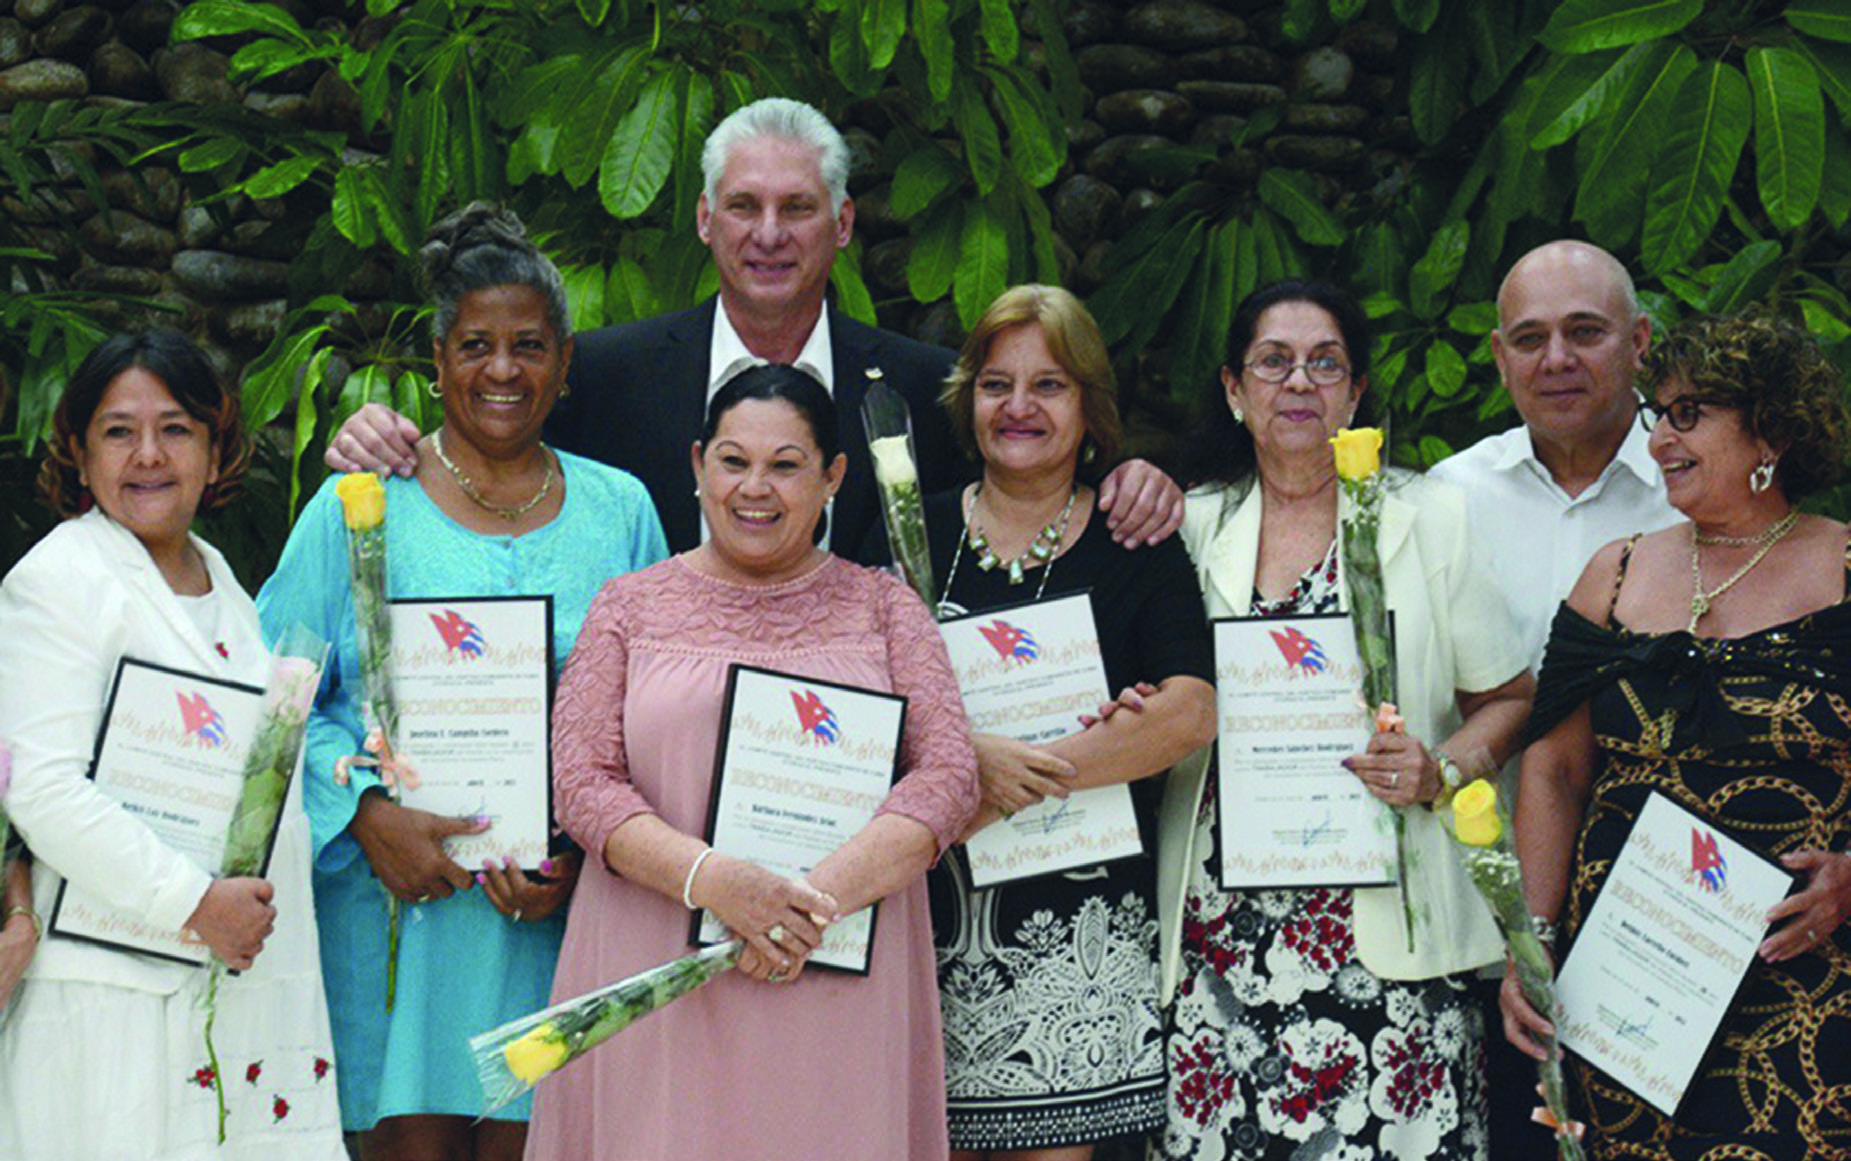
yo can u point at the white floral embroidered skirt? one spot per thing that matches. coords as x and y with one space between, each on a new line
1283 1045
1049 990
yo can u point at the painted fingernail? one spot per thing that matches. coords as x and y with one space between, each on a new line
481 879
487 865
508 861
546 866
1348 764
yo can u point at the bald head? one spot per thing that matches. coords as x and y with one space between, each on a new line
1569 338
1586 265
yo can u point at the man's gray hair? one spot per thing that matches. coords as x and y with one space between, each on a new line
783 118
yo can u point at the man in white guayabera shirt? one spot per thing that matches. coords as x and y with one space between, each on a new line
1544 497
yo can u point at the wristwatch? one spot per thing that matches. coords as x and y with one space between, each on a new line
1450 774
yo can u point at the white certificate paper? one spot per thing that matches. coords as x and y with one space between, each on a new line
1657 964
1290 707
473 677
802 767
1028 672
172 753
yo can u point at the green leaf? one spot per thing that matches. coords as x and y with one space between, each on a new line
272 378
307 413
411 394
1300 20
1823 322
266 58
628 294
883 25
1833 63
584 295
1436 83
1063 73
1612 188
1588 25
639 155
1789 134
1560 84
1417 14
349 210
1707 127
1438 268
1040 235
274 181
593 12
369 384
1202 315
1473 318
228 17
696 95
848 53
1290 194
1827 18
920 178
1344 11
1600 98
603 102
1378 262
1032 149
1835 187
1492 31
983 147
851 292
1445 369
933 264
1748 276
997 23
209 156
983 261
932 26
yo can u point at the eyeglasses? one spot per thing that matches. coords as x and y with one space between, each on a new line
1683 412
1275 367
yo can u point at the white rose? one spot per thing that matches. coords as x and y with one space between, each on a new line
893 461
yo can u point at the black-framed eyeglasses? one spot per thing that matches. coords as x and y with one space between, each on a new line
1277 367
1683 412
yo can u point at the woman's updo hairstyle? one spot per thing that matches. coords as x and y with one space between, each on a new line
482 246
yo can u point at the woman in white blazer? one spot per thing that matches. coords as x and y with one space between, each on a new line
1303 1015
102 1054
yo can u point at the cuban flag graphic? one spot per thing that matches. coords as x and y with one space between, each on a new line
1302 654
815 718
1010 642
1707 863
200 720
460 635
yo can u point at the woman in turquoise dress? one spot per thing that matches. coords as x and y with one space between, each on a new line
491 511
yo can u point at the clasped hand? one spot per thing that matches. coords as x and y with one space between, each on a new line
234 918
1014 775
1813 912
405 847
1397 768
780 919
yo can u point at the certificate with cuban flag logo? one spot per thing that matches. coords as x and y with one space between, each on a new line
1289 700
1028 672
474 680
1658 962
171 753
802 766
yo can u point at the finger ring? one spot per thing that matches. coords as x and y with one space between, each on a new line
776 978
516 917
422 899
1811 936
776 934
1394 780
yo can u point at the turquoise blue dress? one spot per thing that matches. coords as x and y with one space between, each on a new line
463 966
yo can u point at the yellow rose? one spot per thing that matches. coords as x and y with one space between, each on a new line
1359 452
535 1055
1475 814
363 500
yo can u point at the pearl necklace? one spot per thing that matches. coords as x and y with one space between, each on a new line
1700 601
469 488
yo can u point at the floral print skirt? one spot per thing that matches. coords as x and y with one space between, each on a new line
1282 1045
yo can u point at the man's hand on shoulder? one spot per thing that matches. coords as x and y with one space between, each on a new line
375 439
1142 505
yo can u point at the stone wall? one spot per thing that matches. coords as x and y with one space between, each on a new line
1159 72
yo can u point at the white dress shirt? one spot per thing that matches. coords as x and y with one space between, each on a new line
1534 536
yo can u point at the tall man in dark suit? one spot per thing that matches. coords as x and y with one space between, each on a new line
775 211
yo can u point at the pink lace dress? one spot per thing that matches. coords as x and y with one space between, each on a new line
833 1065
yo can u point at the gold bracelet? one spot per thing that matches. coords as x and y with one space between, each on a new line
38 928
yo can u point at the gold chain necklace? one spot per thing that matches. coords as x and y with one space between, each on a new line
1700 601
469 488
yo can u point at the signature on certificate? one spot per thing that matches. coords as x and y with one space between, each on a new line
1314 833
1048 823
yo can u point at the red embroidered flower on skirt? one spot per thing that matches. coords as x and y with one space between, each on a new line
255 1070
203 1077
321 1068
279 1108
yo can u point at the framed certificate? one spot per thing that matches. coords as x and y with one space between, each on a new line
1028 672
1290 709
171 752
474 680
801 767
1664 950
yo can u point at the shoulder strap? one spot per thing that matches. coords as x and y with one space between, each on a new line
1619 576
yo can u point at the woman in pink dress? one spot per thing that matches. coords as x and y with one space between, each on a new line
770 1061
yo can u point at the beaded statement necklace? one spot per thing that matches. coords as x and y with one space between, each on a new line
1767 538
509 514
1042 548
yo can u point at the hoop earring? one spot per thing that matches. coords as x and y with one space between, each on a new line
1761 478
436 392
1089 453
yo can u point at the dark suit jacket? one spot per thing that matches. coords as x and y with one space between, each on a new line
639 396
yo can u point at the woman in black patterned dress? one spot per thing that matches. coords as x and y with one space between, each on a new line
1711 663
